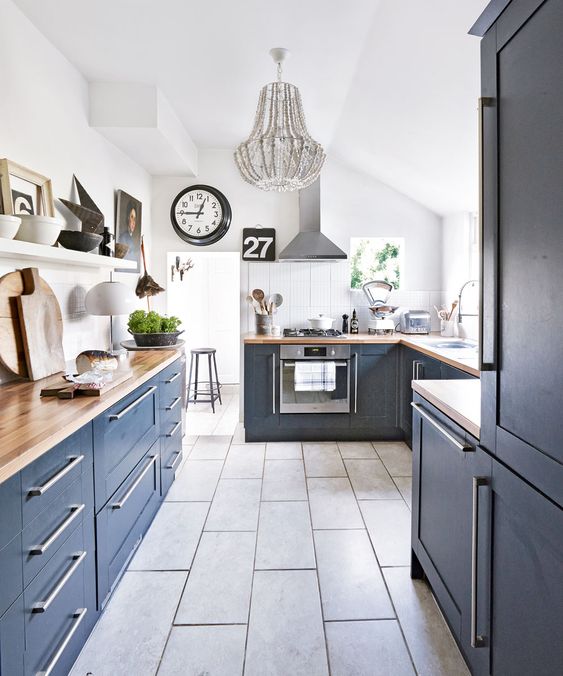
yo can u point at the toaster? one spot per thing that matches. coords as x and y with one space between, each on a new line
415 321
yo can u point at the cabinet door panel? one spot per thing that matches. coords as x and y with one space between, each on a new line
527 579
261 390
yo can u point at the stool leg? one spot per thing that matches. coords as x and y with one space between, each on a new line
217 380
189 382
196 375
211 389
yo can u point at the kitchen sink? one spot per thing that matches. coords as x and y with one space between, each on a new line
453 345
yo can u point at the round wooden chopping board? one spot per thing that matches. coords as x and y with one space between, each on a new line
12 354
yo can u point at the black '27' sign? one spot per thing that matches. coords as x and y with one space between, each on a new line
259 244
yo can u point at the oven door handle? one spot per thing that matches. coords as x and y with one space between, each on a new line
291 364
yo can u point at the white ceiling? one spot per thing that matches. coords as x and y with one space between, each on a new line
388 86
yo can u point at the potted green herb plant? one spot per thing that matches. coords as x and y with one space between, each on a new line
149 329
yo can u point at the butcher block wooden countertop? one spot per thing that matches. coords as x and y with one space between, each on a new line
460 400
31 425
468 364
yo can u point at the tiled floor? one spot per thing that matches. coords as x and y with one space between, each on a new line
201 420
279 559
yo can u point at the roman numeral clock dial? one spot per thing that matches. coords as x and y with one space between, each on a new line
200 215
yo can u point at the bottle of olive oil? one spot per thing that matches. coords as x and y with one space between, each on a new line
354 323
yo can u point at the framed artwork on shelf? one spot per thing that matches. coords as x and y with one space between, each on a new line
128 225
24 191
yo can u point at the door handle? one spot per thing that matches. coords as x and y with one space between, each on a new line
78 616
42 606
486 354
450 437
132 405
39 490
172 379
44 546
173 430
356 365
175 462
477 640
273 383
173 404
129 492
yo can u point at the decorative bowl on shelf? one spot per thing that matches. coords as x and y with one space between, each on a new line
9 226
155 339
79 241
39 229
121 250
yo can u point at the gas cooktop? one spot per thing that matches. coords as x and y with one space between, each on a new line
311 333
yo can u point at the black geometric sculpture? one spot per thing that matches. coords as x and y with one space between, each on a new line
87 212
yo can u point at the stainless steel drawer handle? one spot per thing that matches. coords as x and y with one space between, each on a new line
273 383
173 430
458 444
78 616
477 641
177 459
132 405
74 514
357 364
42 606
39 490
174 403
172 379
129 492
291 364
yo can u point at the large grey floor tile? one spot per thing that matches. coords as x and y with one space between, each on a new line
130 635
432 647
196 481
404 484
244 462
370 479
333 504
284 480
323 460
211 447
189 440
283 450
357 449
204 651
389 526
218 587
396 456
235 505
367 649
171 541
285 539
285 634
352 587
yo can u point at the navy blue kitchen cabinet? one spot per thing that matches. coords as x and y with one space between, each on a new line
171 406
374 377
413 365
522 210
261 392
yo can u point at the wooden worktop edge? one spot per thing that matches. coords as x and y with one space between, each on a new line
423 388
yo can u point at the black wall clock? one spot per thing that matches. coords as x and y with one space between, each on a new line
200 215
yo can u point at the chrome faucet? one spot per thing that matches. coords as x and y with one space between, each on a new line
471 282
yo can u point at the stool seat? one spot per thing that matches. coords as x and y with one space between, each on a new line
196 390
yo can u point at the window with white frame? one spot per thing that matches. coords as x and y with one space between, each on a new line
376 258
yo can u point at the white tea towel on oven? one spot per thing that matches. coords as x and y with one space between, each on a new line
315 376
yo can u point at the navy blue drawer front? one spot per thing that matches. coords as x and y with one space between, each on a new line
125 518
48 476
12 640
47 532
171 379
169 469
170 408
122 436
51 600
11 583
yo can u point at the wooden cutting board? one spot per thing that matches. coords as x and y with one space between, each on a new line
12 354
41 326
63 389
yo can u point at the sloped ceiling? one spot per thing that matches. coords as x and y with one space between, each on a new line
389 86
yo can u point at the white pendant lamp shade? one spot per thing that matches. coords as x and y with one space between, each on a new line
110 298
280 154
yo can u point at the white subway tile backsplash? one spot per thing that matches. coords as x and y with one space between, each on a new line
320 294
320 273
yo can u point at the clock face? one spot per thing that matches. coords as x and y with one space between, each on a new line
200 215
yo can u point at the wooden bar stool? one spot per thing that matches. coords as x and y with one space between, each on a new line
214 391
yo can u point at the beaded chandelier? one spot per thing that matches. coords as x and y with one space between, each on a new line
280 154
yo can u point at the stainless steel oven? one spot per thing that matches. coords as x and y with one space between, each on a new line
294 401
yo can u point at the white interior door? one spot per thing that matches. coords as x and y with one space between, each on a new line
207 300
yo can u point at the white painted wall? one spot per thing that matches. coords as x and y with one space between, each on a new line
44 126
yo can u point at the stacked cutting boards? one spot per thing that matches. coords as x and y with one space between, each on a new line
31 326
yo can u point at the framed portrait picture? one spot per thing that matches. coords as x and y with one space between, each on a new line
128 226
24 191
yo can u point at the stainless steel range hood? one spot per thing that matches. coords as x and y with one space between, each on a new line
310 244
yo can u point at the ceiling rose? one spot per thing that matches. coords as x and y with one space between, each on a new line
280 154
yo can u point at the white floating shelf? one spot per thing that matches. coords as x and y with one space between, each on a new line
13 248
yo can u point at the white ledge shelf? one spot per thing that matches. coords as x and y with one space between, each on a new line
13 248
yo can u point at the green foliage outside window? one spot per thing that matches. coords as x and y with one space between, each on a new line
375 258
